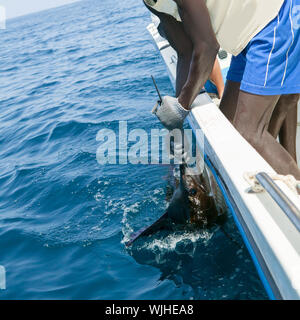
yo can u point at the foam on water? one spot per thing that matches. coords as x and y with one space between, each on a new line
171 241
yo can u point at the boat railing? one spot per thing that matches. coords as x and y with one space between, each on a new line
285 203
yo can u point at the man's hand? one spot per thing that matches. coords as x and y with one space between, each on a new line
171 113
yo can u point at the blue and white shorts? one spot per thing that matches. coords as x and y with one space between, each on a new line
270 64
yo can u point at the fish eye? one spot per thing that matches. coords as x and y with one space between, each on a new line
193 192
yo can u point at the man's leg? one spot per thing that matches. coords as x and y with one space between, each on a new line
232 87
288 133
284 122
230 99
252 120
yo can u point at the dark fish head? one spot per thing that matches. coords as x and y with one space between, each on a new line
202 208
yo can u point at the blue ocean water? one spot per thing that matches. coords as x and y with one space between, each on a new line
67 73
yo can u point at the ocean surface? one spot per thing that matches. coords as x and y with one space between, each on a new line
67 73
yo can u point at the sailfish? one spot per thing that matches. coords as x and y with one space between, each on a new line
197 201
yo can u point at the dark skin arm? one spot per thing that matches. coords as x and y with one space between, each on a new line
197 25
180 42
189 58
217 78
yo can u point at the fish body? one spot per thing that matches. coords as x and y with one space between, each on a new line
197 201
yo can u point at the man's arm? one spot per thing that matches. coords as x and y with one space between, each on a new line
217 79
180 42
197 25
